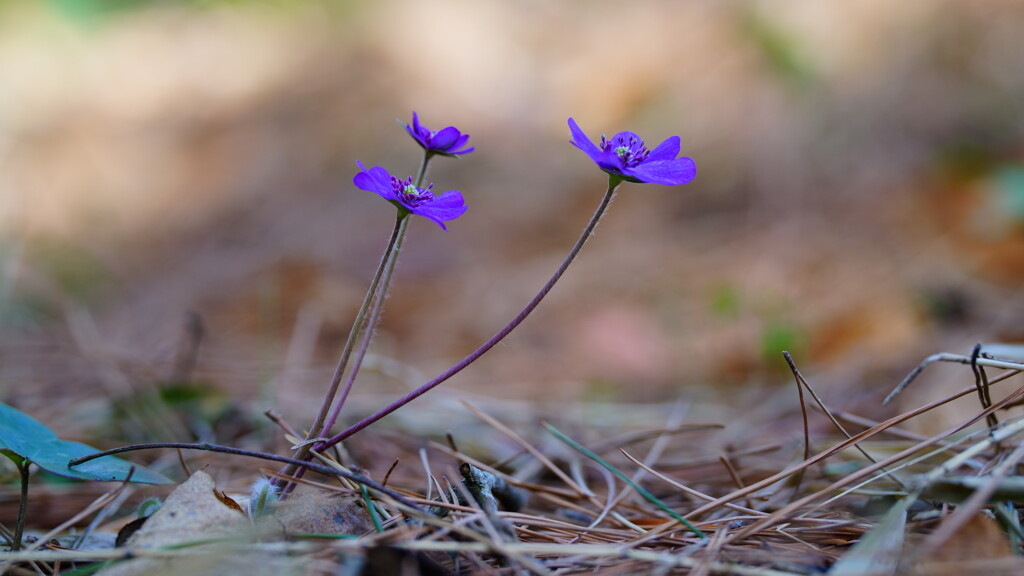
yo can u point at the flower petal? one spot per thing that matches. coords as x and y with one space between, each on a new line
447 206
669 172
667 150
415 136
581 141
608 161
425 212
375 180
444 139
625 136
456 148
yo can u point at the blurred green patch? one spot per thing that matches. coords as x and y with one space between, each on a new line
948 306
603 390
96 12
37 277
725 301
70 267
779 49
840 469
1006 190
193 410
89 11
779 336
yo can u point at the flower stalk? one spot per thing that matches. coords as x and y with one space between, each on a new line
367 326
318 428
371 327
613 183
368 333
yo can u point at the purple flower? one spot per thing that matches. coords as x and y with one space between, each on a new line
446 141
626 156
410 199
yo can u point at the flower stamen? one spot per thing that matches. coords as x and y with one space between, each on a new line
409 193
630 151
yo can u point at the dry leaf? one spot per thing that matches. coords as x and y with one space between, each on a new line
193 512
979 538
321 512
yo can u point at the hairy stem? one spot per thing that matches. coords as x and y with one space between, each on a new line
318 428
378 307
472 357
375 294
371 326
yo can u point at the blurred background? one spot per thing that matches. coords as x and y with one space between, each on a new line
178 223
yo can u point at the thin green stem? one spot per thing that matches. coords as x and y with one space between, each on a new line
422 172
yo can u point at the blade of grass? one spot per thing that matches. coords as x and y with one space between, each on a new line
371 509
639 489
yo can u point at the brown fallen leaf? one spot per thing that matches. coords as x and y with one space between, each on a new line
315 511
980 540
194 513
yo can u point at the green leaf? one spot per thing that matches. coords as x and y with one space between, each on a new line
26 437
19 431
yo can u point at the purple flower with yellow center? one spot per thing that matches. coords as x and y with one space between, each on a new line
626 157
446 141
408 198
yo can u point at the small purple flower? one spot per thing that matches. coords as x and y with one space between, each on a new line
626 156
410 199
446 141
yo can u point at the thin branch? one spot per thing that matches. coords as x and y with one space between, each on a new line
801 381
946 357
327 470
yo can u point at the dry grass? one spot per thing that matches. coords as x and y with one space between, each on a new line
617 516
